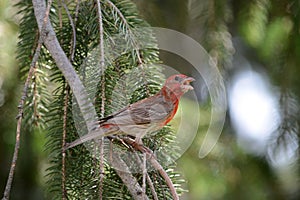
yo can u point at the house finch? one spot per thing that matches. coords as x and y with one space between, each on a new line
144 116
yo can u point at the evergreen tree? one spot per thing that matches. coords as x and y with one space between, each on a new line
115 56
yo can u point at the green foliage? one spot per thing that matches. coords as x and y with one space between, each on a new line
276 38
254 18
272 29
38 96
128 76
269 28
212 19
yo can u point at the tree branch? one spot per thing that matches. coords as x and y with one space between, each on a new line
63 161
84 103
155 164
164 174
131 34
128 179
101 142
73 39
63 63
43 20
142 166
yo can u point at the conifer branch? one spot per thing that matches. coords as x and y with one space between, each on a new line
128 179
44 19
156 166
76 11
151 186
64 136
128 28
19 124
85 104
144 172
102 65
60 17
63 63
73 39
35 102
164 174
131 38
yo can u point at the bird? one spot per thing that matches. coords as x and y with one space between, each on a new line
144 116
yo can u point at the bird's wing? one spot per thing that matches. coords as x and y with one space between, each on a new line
151 110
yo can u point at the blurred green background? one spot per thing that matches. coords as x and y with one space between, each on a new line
255 42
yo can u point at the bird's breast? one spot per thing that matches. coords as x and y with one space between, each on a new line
171 114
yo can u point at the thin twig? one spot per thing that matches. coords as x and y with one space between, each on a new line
76 12
164 174
101 35
73 39
19 124
144 167
102 65
64 136
151 186
60 19
133 39
63 170
35 99
21 105
122 17
128 179
156 165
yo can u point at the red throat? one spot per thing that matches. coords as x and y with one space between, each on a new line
170 94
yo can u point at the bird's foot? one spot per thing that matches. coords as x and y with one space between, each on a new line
139 146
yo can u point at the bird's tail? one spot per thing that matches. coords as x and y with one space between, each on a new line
101 132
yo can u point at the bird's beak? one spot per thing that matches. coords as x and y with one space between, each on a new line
186 83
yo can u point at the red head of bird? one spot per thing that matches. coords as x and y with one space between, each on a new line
176 85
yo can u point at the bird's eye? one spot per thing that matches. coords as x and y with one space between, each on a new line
177 78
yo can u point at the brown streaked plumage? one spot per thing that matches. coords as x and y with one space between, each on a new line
144 116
